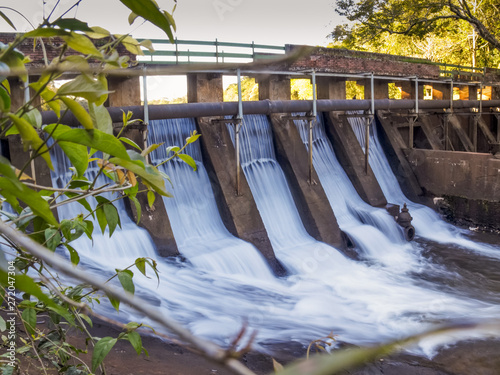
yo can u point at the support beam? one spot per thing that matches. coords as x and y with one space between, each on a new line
430 131
311 200
238 211
462 135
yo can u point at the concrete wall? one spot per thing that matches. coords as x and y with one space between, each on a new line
468 182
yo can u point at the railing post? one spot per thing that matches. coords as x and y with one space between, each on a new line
451 95
216 51
146 108
253 50
176 52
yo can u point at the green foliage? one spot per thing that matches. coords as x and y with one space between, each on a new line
84 95
249 90
455 32
301 89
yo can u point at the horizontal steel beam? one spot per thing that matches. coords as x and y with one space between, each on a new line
267 107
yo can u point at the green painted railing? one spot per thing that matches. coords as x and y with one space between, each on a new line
177 53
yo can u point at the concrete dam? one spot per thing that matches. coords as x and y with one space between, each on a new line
305 217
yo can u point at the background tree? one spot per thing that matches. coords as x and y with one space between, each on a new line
423 29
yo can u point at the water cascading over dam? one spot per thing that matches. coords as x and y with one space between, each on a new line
371 229
325 291
427 223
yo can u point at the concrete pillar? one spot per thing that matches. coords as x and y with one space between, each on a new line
441 91
331 88
154 219
274 87
238 212
351 157
380 88
126 91
204 88
17 93
311 200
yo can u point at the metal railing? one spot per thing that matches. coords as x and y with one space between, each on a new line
207 51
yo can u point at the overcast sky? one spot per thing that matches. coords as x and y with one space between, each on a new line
274 22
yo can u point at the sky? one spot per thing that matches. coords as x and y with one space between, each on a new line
275 22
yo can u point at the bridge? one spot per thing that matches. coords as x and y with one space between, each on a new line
445 147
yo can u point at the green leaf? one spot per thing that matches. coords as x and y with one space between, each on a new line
81 43
137 205
173 149
125 277
110 214
140 263
87 319
4 99
31 138
84 86
151 176
52 238
147 44
29 318
101 218
77 155
193 138
188 160
130 142
98 32
151 148
101 118
71 24
151 198
132 45
79 112
34 117
148 10
15 61
46 32
38 205
3 324
6 19
136 341
114 302
101 350
74 256
90 138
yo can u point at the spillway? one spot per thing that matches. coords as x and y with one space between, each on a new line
196 223
372 229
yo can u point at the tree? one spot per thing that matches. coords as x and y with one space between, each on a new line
461 20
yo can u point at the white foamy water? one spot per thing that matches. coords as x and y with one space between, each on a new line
213 295
372 229
427 223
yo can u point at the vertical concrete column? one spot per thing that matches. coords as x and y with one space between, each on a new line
274 87
154 219
126 91
204 88
441 91
380 88
331 88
